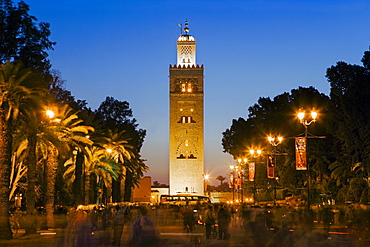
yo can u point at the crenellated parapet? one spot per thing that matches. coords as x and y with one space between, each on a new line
186 66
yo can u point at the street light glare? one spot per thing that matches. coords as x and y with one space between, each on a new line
50 113
301 115
314 115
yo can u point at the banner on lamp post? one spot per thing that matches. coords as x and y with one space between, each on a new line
252 168
271 166
240 177
231 180
300 153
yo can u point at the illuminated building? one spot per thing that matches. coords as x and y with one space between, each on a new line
186 147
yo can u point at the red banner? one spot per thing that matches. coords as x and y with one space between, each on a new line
231 180
240 178
300 153
252 169
271 166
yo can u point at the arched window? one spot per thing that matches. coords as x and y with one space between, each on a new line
186 119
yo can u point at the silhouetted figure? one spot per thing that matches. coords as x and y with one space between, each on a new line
209 221
82 228
104 218
118 224
223 219
144 233
327 218
93 215
188 218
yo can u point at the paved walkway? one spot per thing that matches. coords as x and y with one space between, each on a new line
174 236
169 224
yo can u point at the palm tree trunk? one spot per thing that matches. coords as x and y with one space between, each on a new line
128 186
87 188
5 166
77 185
31 187
51 172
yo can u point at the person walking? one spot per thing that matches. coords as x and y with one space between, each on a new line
188 218
118 224
144 232
223 219
209 220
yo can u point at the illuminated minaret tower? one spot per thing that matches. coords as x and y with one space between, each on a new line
186 119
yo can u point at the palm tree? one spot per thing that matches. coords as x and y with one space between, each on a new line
96 163
45 139
17 86
62 134
135 168
17 172
221 179
117 145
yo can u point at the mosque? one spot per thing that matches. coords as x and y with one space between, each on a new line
186 135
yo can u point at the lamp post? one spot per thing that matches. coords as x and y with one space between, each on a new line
241 162
274 141
307 119
232 168
205 179
255 154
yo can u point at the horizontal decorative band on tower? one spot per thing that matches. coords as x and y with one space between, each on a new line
186 66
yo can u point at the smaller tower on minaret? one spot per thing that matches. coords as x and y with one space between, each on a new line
186 48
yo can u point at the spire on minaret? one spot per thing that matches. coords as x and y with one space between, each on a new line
186 28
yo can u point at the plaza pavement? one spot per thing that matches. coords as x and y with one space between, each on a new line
173 235
169 224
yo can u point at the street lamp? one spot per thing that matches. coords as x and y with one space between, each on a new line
232 176
205 178
255 154
307 119
50 113
274 141
241 162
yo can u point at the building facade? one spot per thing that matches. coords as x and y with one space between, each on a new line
186 154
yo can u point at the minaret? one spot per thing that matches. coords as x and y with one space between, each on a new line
186 119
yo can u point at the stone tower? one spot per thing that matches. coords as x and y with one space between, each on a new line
186 119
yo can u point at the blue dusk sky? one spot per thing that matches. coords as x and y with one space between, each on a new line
249 49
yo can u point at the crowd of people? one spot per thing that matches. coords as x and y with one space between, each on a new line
212 220
83 223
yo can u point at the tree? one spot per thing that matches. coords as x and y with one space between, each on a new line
116 143
349 121
159 185
18 86
21 39
276 116
221 179
98 167
117 114
63 133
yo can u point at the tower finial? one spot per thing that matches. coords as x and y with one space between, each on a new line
186 28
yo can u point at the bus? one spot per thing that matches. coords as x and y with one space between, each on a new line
184 200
